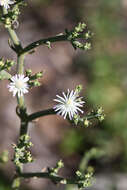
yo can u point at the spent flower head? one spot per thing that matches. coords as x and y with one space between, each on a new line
69 104
6 3
19 85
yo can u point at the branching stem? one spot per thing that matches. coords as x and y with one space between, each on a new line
22 155
58 38
20 70
35 44
41 114
53 178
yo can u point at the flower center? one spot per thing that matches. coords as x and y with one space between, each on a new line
19 84
68 103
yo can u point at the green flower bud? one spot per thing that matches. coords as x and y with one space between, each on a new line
78 173
28 72
64 181
60 164
86 122
1 63
8 23
37 83
87 46
100 110
39 75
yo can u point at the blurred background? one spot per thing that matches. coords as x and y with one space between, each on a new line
103 73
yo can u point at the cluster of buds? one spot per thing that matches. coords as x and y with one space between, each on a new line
6 65
81 180
84 181
101 114
7 22
80 31
22 154
54 171
33 79
15 12
77 31
86 120
11 18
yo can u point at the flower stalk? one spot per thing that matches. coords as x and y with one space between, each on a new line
20 70
68 106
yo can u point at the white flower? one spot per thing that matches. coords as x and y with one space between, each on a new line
18 85
6 3
69 104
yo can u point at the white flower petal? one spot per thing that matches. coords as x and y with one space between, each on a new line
6 3
60 101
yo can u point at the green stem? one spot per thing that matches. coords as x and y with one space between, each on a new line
42 113
51 111
13 35
92 116
20 64
44 41
20 57
23 128
47 175
18 1
21 102
92 153
20 70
